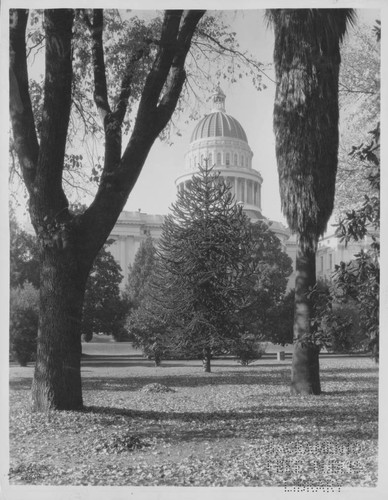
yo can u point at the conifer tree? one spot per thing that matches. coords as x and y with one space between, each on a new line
206 272
213 281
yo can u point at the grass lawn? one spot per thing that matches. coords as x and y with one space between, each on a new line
233 427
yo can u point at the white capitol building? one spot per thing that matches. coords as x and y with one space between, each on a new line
220 138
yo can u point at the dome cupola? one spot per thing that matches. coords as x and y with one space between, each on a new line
219 139
218 123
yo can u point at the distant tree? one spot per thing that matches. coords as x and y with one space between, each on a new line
23 322
140 272
359 279
272 267
148 326
359 98
104 309
24 255
280 320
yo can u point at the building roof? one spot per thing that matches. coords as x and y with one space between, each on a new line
218 123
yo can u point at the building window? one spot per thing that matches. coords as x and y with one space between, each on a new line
235 159
218 158
228 158
322 263
330 261
241 161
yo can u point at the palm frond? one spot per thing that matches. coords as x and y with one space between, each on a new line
307 60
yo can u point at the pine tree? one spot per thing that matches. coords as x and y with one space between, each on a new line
206 274
213 279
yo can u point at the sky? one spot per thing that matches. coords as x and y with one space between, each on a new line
155 189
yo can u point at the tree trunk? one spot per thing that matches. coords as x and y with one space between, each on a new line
57 377
206 360
305 359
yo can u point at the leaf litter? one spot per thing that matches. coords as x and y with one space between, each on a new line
237 426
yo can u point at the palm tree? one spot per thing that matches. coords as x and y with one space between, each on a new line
307 60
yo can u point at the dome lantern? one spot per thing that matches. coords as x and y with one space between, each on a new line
218 100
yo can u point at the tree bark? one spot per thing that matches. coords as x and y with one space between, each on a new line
57 377
206 360
305 360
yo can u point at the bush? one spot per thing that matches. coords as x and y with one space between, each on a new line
336 322
248 351
23 325
351 338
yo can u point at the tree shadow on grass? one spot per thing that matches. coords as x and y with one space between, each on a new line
21 384
228 423
280 377
372 369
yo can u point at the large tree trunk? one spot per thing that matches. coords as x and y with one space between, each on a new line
305 360
57 377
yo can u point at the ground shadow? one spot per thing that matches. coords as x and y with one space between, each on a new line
251 377
226 419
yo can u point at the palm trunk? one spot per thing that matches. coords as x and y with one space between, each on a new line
305 360
57 377
206 360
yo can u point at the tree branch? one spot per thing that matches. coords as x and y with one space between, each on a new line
118 181
126 86
22 118
100 85
177 73
236 52
56 109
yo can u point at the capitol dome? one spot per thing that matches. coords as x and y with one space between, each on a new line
219 139
218 123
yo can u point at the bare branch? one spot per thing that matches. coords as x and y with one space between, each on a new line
236 52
